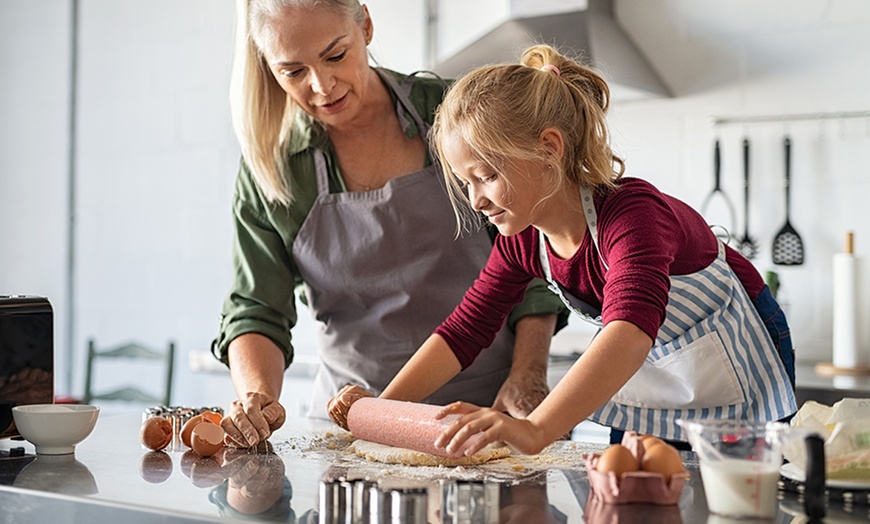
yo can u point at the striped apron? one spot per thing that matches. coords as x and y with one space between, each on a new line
712 357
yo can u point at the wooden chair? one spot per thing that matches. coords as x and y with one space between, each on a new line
130 393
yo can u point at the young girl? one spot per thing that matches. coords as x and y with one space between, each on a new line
688 328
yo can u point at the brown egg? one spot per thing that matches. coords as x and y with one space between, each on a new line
207 439
663 459
189 425
618 459
155 433
650 441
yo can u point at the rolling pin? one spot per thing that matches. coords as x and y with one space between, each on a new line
408 425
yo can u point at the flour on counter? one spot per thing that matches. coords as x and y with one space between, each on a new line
336 447
385 454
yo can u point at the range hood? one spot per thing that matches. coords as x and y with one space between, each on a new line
591 33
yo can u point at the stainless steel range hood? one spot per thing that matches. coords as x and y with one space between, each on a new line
591 33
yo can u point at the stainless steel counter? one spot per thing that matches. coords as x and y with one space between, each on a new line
111 478
828 388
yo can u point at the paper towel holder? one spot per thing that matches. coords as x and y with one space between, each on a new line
828 369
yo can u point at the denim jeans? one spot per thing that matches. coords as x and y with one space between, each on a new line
777 326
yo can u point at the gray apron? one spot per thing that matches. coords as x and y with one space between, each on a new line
712 357
381 271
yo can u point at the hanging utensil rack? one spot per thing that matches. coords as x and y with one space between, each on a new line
755 119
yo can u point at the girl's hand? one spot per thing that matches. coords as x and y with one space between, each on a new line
339 405
492 426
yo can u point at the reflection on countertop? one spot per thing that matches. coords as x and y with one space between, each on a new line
112 478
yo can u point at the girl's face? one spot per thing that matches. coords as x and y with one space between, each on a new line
318 56
508 197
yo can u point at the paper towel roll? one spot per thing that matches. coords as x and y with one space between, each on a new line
848 352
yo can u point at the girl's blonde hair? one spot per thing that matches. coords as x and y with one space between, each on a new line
262 113
500 111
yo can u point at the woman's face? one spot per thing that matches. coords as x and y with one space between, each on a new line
318 56
508 197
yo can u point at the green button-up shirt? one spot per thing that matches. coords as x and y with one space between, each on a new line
262 296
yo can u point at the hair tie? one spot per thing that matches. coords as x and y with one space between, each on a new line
551 67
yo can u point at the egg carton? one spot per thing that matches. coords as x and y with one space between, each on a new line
634 486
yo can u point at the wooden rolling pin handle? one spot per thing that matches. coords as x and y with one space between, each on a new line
850 242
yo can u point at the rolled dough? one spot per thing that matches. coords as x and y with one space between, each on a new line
408 457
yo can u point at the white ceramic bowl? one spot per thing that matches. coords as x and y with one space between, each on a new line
55 429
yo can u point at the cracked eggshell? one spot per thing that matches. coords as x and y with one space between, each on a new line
187 429
155 433
207 438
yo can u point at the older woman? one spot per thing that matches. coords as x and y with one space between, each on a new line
337 193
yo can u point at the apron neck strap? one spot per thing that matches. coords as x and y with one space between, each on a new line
404 107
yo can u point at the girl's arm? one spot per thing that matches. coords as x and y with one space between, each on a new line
432 366
615 354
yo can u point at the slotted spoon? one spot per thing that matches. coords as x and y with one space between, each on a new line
788 248
717 191
747 245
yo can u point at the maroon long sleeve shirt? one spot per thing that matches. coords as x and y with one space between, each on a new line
645 236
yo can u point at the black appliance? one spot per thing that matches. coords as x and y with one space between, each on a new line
26 355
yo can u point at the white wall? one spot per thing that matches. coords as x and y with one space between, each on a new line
156 157
34 149
156 162
754 59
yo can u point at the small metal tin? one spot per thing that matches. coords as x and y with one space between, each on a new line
360 506
379 507
469 501
408 505
335 496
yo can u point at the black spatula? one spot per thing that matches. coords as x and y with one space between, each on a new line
747 245
788 248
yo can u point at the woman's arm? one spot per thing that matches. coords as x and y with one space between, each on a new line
257 370
526 386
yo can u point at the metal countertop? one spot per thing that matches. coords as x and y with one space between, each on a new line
112 478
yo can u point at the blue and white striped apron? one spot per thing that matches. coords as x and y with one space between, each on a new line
712 357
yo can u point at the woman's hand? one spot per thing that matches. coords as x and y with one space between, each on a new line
339 405
522 391
519 434
252 419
